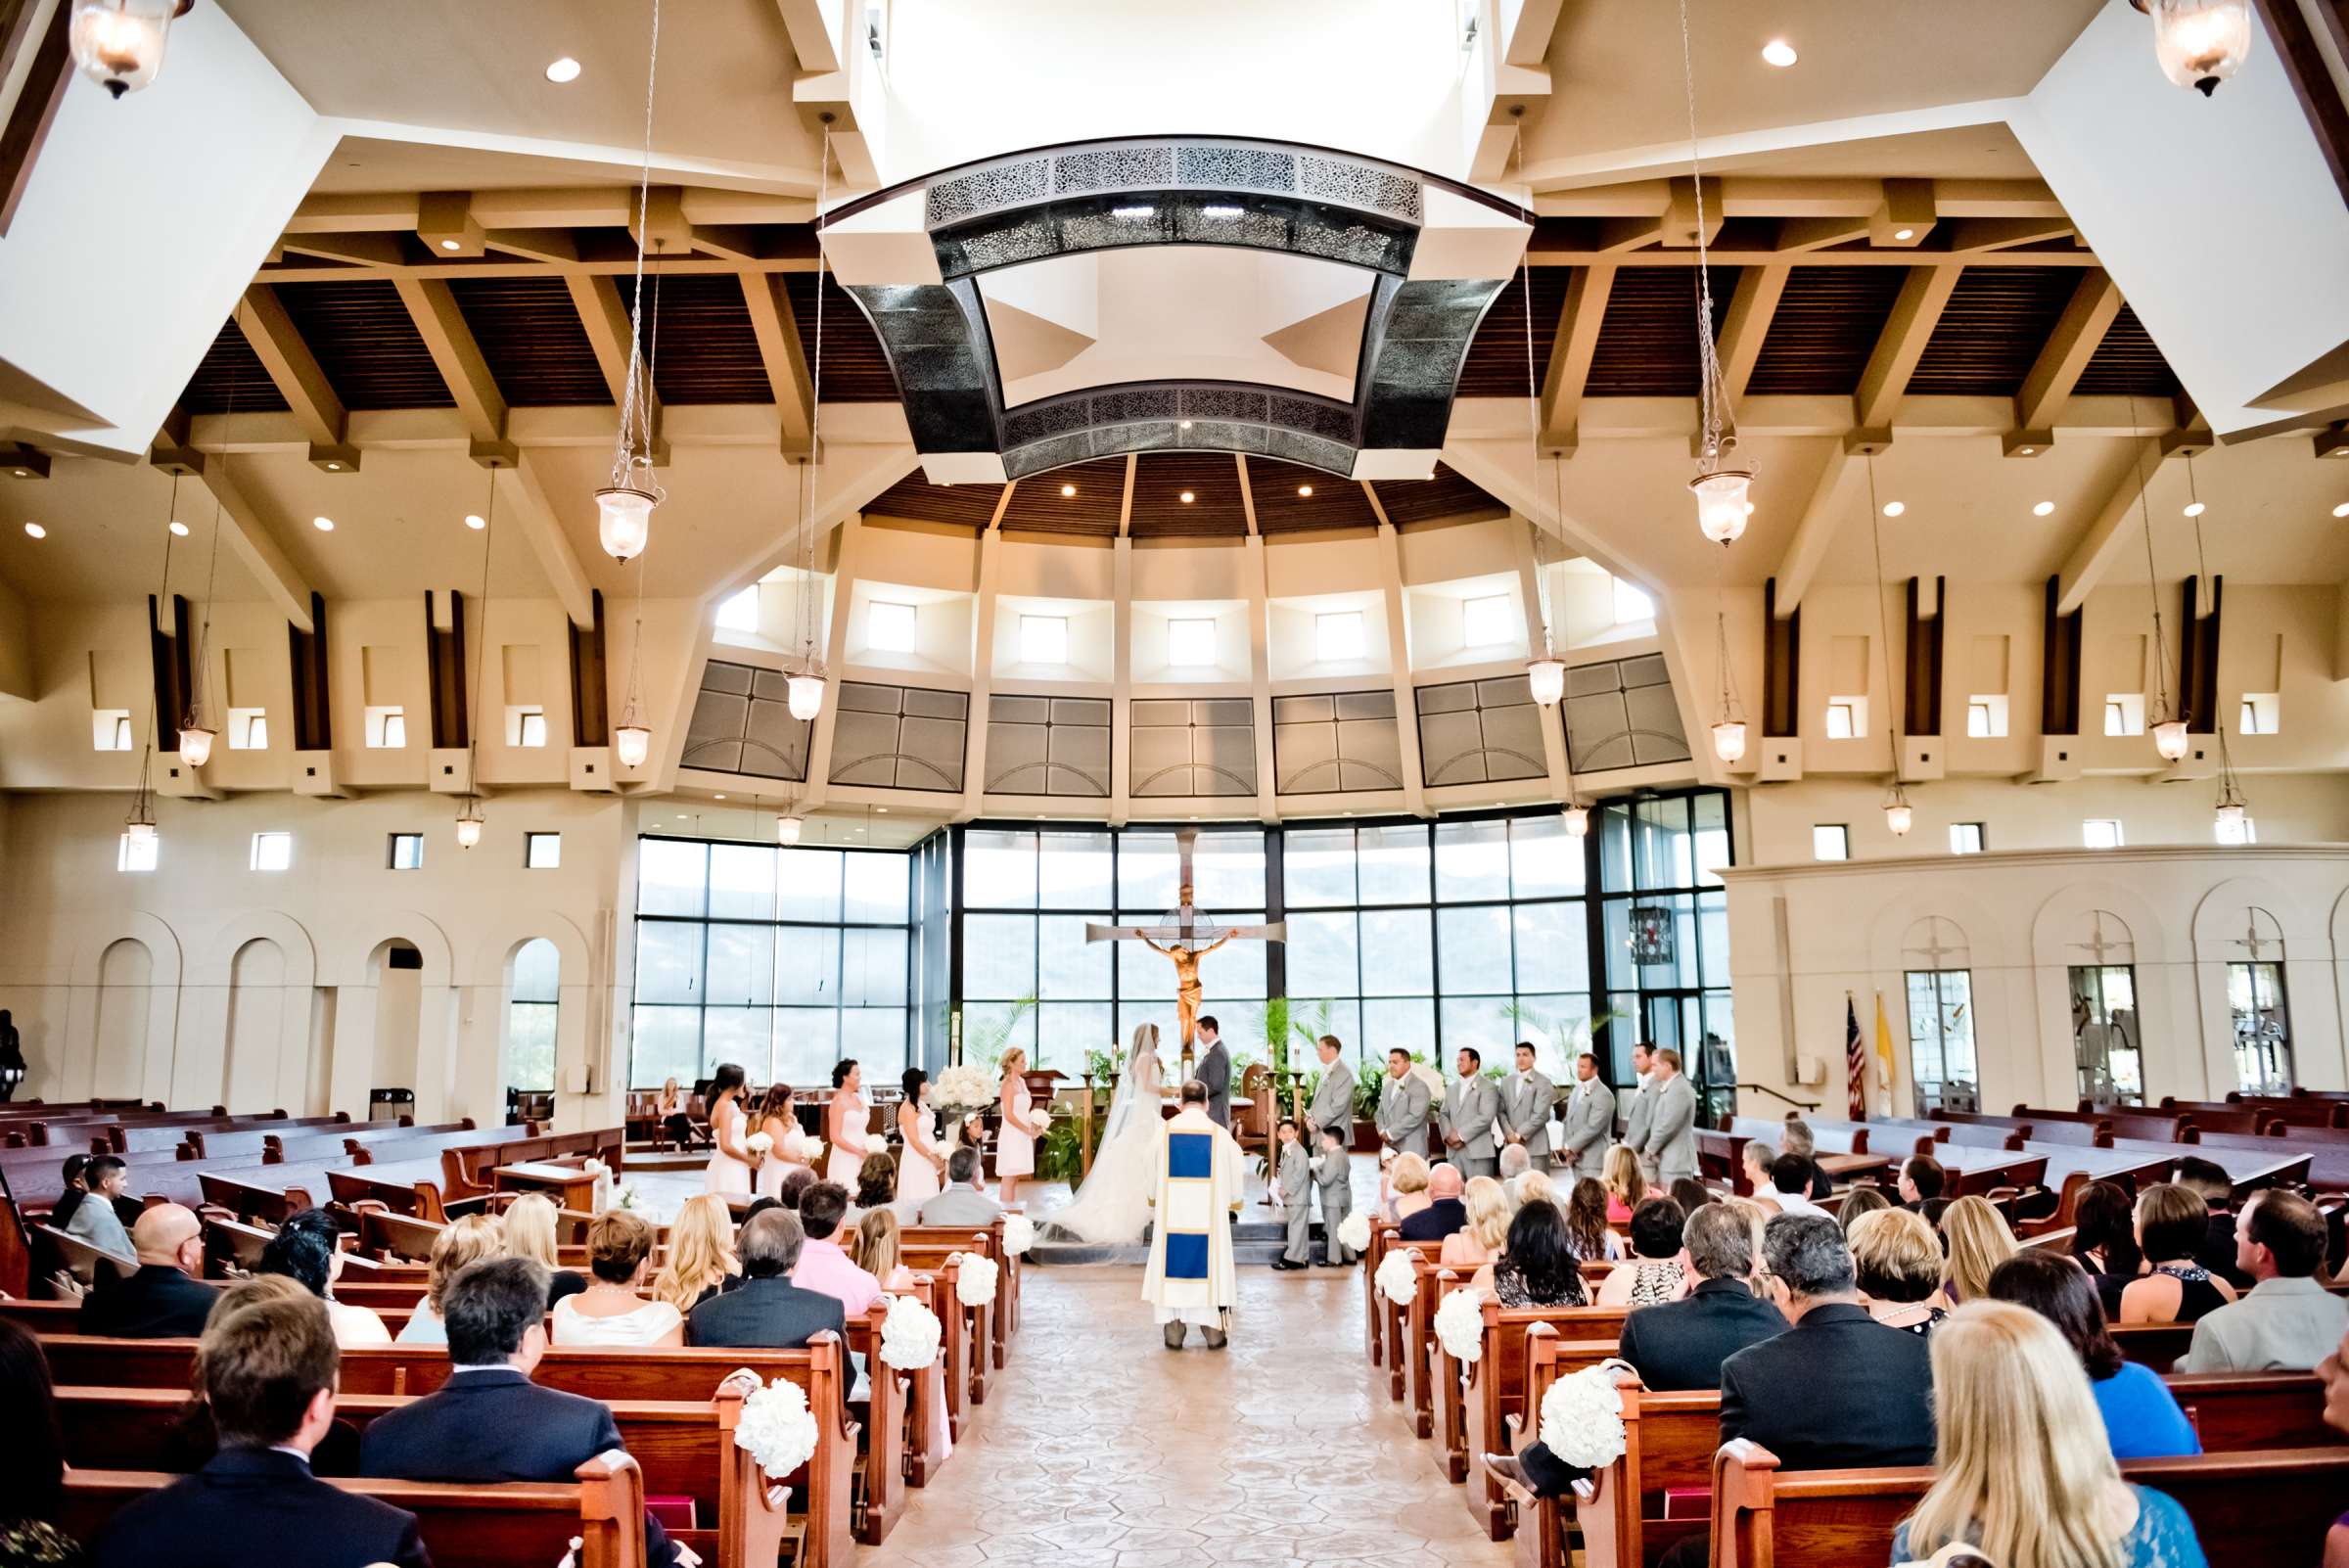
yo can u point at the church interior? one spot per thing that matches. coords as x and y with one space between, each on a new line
1307 551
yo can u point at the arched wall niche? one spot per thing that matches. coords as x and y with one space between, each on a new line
91 1006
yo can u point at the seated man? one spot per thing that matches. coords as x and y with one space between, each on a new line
767 1310
962 1203
489 1422
266 1367
1798 1140
1790 1185
2288 1322
165 1299
94 1220
823 1265
1921 1181
2218 1251
1445 1213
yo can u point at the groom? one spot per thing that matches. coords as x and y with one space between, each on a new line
1215 1071
1190 1279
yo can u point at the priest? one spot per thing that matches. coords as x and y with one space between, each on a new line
1190 1279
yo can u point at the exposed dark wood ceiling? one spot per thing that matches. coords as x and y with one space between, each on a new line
916 498
1037 506
855 370
1995 322
2126 363
1827 323
1648 344
1495 366
366 342
1281 508
231 379
709 352
1161 480
530 335
1447 496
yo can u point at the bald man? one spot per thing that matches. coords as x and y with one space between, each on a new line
165 1299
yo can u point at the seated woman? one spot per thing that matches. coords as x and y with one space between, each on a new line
1861 1201
608 1312
668 1109
2172 1224
1586 1230
33 1498
2105 1241
1480 1240
1535 1186
1691 1194
1974 1241
1900 1267
464 1241
876 1185
1536 1267
2020 1472
1409 1178
530 1221
2142 1417
1658 1271
874 1248
308 1249
1626 1185
702 1262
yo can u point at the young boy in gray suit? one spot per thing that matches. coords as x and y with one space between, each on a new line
1294 1176
1334 1173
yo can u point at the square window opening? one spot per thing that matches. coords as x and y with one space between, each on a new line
1633 604
1192 642
2258 713
1484 621
110 729
386 728
889 627
541 851
2100 833
408 852
1338 636
248 729
1830 841
272 852
526 726
1847 717
1965 838
1043 639
1986 716
2125 712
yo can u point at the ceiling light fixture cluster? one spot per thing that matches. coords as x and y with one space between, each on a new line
1722 480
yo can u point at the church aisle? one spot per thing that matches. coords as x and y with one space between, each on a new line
1101 1449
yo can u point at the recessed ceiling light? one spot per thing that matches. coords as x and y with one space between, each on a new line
333 468
1187 498
883 809
2028 451
721 796
179 527
2194 509
2342 510
1219 211
324 525
1133 211
22 473
36 530
1187 424
564 70
452 245
1903 234
1779 53
1305 489
2043 509
1895 508
1067 489
475 521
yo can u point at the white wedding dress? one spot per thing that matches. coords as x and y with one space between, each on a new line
1113 1206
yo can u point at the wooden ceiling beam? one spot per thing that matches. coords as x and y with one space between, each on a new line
369 250
256 544
1829 506
1570 352
813 27
604 315
1751 310
2079 332
293 369
1901 344
526 504
535 245
433 307
2004 233
787 375
446 224
1247 492
2109 530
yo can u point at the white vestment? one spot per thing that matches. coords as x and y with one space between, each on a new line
1190 1278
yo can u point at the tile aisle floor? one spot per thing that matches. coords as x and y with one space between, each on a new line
1099 1448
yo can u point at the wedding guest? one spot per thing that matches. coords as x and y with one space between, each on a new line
1787 1189
266 1367
529 1223
1976 1241
2287 1321
1407 1176
608 1312
2171 1221
669 1108
166 1298
701 1254
1923 1179
922 1163
1656 1272
1682 1344
2333 1371
2104 1240
94 1220
962 1203
307 1249
2217 1187
1587 1231
1514 1164
1861 1201
1480 1240
1444 1211
2142 1417
1797 1140
1536 1187
1898 1260
788 1143
489 1422
769 1311
61 1214
1756 1157
32 1486
1692 1194
1624 1182
823 1264
875 1247
876 1184
795 1187
1536 1267
2019 1472
462 1242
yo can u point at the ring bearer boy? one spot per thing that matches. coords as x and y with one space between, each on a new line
1294 1176
1333 1172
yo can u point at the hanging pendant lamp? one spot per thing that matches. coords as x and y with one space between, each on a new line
469 822
788 827
119 44
625 507
803 688
1724 482
2201 43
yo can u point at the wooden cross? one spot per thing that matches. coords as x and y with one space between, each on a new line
1179 940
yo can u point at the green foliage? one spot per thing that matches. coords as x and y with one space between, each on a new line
1060 1157
1314 1023
1103 1065
1365 1095
986 1045
1277 1032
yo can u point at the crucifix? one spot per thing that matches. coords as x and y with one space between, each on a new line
1183 938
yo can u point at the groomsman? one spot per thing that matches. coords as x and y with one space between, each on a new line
1671 1146
1296 1176
1642 1110
1402 1102
1471 1109
1590 1120
1527 1097
1332 1109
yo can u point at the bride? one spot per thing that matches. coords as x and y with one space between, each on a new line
1114 1204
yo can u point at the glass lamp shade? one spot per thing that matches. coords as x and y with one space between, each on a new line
787 830
1577 820
195 744
1721 509
119 44
806 695
1547 678
1899 817
2230 821
633 743
1729 740
2201 43
139 831
469 831
623 521
2169 739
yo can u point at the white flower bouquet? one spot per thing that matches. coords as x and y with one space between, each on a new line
1460 1323
777 1429
909 1335
1354 1231
759 1143
1396 1280
596 1168
1018 1234
1434 1081
974 1286
1582 1417
962 1089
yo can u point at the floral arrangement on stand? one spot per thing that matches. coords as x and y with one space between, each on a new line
1581 1416
1018 1234
1354 1231
1396 1280
602 1173
911 1335
777 1429
959 1095
975 1284
1460 1323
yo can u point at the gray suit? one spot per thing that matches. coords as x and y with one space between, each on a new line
1635 1119
1336 1181
960 1204
1402 1113
1589 1126
1215 1071
1671 1146
1525 1107
1296 1192
1333 1102
1471 1109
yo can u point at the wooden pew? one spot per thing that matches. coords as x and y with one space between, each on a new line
968 1331
2297 1109
1495 1390
1005 1317
463 1526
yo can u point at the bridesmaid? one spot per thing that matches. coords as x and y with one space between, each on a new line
922 1162
846 1122
778 1122
731 1163
1015 1141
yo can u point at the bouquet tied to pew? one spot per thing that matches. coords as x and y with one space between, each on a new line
1018 1234
1396 1280
777 1429
1354 1231
911 1335
1581 1416
1460 1323
975 1280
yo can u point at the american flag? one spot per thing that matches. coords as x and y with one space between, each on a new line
1854 1060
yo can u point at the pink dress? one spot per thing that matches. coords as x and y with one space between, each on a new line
1015 1151
848 1113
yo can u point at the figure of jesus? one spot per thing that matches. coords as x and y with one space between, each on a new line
1188 993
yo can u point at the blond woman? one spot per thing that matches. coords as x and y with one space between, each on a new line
1899 1261
465 1241
701 1254
874 1247
1480 1240
1976 1241
530 1233
1407 1176
1624 1182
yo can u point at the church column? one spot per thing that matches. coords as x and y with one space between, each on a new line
1259 677
1399 668
982 674
836 648
1553 724
1121 691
